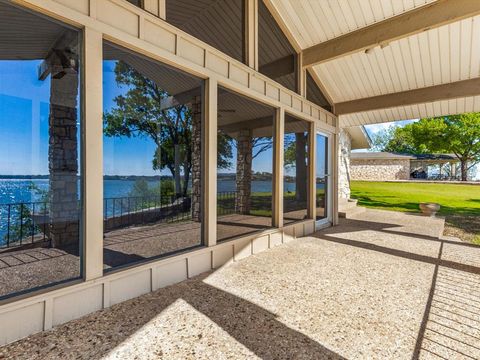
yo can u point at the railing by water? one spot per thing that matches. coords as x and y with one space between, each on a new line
25 223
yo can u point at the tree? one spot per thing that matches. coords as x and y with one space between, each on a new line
454 134
381 138
138 113
296 157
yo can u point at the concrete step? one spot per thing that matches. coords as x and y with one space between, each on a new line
351 213
345 205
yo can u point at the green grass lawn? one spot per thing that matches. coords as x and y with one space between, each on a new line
459 203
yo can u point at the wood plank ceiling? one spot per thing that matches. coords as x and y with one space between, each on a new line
438 56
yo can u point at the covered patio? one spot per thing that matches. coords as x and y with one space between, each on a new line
381 285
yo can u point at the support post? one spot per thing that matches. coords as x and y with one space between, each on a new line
312 181
278 167
301 76
155 7
250 22
93 154
335 160
210 162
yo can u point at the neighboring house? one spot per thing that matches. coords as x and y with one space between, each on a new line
379 166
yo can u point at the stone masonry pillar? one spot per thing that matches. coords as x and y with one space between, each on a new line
196 158
63 156
244 171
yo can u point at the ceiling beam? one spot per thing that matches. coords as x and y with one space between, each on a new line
183 98
279 67
251 124
59 56
458 89
438 13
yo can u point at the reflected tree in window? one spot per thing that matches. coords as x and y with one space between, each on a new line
174 130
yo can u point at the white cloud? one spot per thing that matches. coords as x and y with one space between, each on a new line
375 128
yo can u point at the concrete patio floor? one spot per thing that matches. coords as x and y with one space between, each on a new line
29 268
380 286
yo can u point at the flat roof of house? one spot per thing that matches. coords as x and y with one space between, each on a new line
370 155
360 137
380 156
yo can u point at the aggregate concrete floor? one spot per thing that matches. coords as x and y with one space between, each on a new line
35 267
381 286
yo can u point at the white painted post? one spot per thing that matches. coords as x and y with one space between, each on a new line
93 155
251 33
334 172
210 162
278 167
312 193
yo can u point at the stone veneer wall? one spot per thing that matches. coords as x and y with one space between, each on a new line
380 169
345 145
244 171
63 157
196 158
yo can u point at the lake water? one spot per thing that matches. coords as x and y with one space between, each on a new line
20 191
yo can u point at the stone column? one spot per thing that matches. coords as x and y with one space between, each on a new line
453 170
244 171
344 150
63 156
196 158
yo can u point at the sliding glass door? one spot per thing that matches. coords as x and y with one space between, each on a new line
322 178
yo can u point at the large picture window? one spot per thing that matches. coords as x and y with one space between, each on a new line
152 158
296 170
40 151
245 165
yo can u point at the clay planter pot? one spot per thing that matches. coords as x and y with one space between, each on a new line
429 209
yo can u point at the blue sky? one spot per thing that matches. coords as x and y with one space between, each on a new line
24 122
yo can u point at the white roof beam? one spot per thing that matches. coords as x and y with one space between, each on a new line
458 89
438 13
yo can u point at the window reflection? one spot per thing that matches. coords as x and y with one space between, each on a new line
152 158
296 170
321 176
40 146
245 166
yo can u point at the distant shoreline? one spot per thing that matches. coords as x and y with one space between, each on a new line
221 176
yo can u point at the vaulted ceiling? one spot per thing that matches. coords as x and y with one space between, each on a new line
418 73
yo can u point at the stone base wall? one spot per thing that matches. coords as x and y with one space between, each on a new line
380 169
345 145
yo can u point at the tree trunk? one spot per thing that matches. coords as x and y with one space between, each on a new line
178 186
186 179
300 167
464 170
